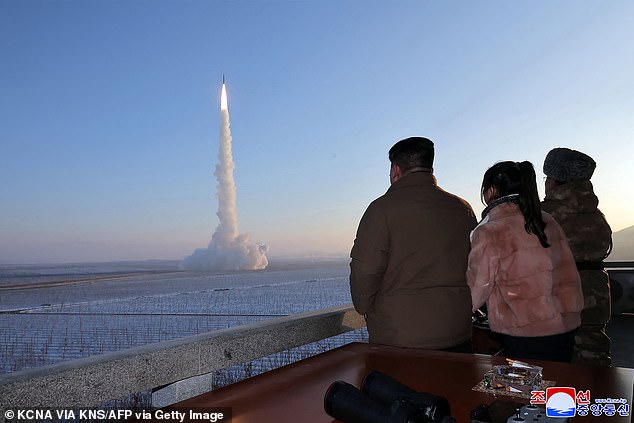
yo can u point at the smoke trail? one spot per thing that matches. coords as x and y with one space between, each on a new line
228 249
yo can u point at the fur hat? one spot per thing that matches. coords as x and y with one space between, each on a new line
566 165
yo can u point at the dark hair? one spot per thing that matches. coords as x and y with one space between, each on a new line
518 178
413 152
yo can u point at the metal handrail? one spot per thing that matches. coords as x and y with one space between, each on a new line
619 265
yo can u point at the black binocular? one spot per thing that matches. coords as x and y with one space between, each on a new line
384 400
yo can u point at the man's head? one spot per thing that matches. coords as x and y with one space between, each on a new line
414 154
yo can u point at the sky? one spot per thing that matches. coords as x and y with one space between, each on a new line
110 113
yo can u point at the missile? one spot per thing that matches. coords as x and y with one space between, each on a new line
223 95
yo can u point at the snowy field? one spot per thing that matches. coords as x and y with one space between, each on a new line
62 312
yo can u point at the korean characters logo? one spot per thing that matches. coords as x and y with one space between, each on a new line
568 402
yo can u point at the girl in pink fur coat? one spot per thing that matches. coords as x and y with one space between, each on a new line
521 267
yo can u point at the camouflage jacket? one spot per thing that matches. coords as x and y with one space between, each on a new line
574 207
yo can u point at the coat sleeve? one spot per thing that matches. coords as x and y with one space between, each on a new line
480 269
369 258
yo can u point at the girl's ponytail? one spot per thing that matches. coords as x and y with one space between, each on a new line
529 203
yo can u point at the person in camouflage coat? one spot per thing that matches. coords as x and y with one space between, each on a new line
570 199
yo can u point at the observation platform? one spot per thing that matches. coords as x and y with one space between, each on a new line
176 366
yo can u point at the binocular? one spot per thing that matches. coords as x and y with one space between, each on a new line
384 400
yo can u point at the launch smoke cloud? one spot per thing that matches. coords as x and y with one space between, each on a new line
228 249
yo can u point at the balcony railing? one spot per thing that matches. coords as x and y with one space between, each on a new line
91 381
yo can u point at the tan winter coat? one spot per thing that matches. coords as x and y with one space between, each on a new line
407 274
529 290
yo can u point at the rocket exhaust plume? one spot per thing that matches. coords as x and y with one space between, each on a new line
228 249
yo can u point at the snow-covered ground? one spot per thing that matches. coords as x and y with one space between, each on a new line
61 312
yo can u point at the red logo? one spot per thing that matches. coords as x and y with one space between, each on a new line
538 397
583 397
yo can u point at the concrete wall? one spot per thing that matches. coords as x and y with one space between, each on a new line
90 381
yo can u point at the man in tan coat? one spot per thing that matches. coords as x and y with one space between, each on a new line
407 274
